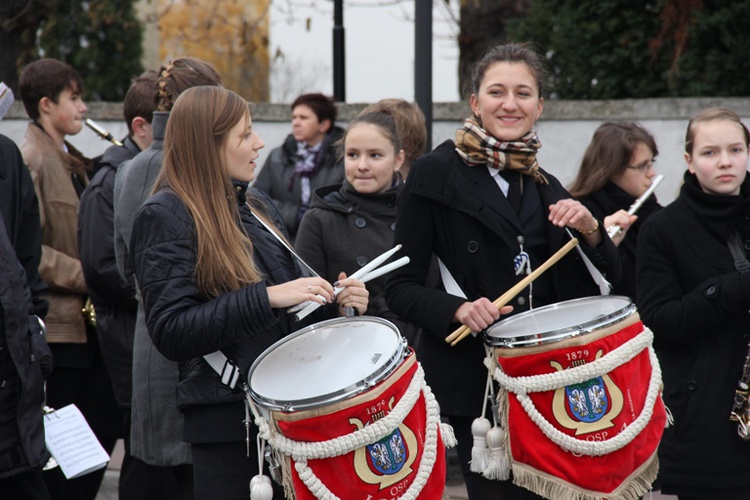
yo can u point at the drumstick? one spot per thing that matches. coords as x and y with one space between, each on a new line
615 228
364 279
375 262
501 301
361 274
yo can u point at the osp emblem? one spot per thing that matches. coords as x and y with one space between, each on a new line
388 460
589 406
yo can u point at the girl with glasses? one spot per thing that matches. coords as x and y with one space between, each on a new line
617 168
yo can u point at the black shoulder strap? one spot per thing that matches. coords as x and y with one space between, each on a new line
738 253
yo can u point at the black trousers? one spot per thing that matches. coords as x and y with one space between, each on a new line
90 389
142 481
223 470
26 486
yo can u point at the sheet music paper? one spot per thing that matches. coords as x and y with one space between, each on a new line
72 443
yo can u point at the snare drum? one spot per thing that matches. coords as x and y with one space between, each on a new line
580 398
343 403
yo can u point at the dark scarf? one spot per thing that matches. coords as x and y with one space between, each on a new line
477 147
721 214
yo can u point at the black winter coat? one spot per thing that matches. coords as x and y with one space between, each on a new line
607 201
697 303
344 230
185 325
459 214
19 207
25 361
113 298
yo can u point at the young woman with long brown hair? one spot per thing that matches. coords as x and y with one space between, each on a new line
214 277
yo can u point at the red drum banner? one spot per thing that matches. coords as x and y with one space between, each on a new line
379 470
584 416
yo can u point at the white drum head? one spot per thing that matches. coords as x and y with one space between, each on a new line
559 321
326 362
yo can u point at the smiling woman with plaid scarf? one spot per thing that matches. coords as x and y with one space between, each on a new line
478 203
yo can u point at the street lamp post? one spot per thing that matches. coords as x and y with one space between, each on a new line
423 62
339 73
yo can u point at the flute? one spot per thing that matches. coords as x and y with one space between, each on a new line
614 229
103 133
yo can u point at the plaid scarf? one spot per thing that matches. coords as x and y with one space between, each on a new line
476 147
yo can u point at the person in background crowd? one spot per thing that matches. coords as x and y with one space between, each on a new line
477 203
156 423
693 292
410 122
51 94
305 162
350 224
114 298
213 277
617 168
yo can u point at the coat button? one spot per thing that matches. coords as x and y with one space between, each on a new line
472 247
361 261
710 291
393 226
521 301
692 385
360 222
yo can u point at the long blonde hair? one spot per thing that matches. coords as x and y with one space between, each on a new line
192 168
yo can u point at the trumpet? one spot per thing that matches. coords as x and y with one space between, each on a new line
89 313
615 229
101 132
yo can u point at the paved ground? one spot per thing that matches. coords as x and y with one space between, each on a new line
455 488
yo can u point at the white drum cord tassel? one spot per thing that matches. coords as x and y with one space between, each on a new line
260 488
480 452
446 430
260 485
498 465
300 452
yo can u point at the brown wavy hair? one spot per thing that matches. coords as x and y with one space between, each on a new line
179 75
193 169
608 154
410 122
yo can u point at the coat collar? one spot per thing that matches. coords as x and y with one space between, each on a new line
445 178
73 159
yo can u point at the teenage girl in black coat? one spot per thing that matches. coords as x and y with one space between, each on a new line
696 302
